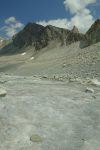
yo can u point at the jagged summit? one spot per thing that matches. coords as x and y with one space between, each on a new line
75 30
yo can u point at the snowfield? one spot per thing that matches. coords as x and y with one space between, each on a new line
41 114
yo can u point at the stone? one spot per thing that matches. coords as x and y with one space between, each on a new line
2 92
36 138
89 90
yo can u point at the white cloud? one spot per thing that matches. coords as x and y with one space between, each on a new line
82 16
62 23
77 6
10 20
12 26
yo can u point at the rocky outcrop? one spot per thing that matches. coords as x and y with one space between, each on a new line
74 37
39 37
92 36
75 30
2 92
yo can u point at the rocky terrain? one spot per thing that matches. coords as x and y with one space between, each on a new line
51 51
50 89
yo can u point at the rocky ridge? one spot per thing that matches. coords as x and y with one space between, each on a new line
39 37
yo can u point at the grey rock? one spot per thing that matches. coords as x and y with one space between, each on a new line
2 92
36 138
75 30
89 90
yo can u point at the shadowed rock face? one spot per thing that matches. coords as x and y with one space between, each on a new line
39 37
30 35
92 35
74 37
94 32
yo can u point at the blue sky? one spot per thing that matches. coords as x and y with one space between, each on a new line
14 14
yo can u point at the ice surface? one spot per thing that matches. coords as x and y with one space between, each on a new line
61 114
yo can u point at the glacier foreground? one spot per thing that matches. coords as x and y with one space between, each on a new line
42 114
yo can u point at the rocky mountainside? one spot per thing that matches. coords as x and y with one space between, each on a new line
92 36
39 37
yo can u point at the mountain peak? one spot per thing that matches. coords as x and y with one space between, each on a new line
75 29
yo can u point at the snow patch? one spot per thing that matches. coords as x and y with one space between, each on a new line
32 58
1 41
23 54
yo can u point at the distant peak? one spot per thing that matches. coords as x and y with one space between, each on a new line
75 29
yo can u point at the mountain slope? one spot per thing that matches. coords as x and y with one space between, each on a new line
39 37
51 51
60 61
